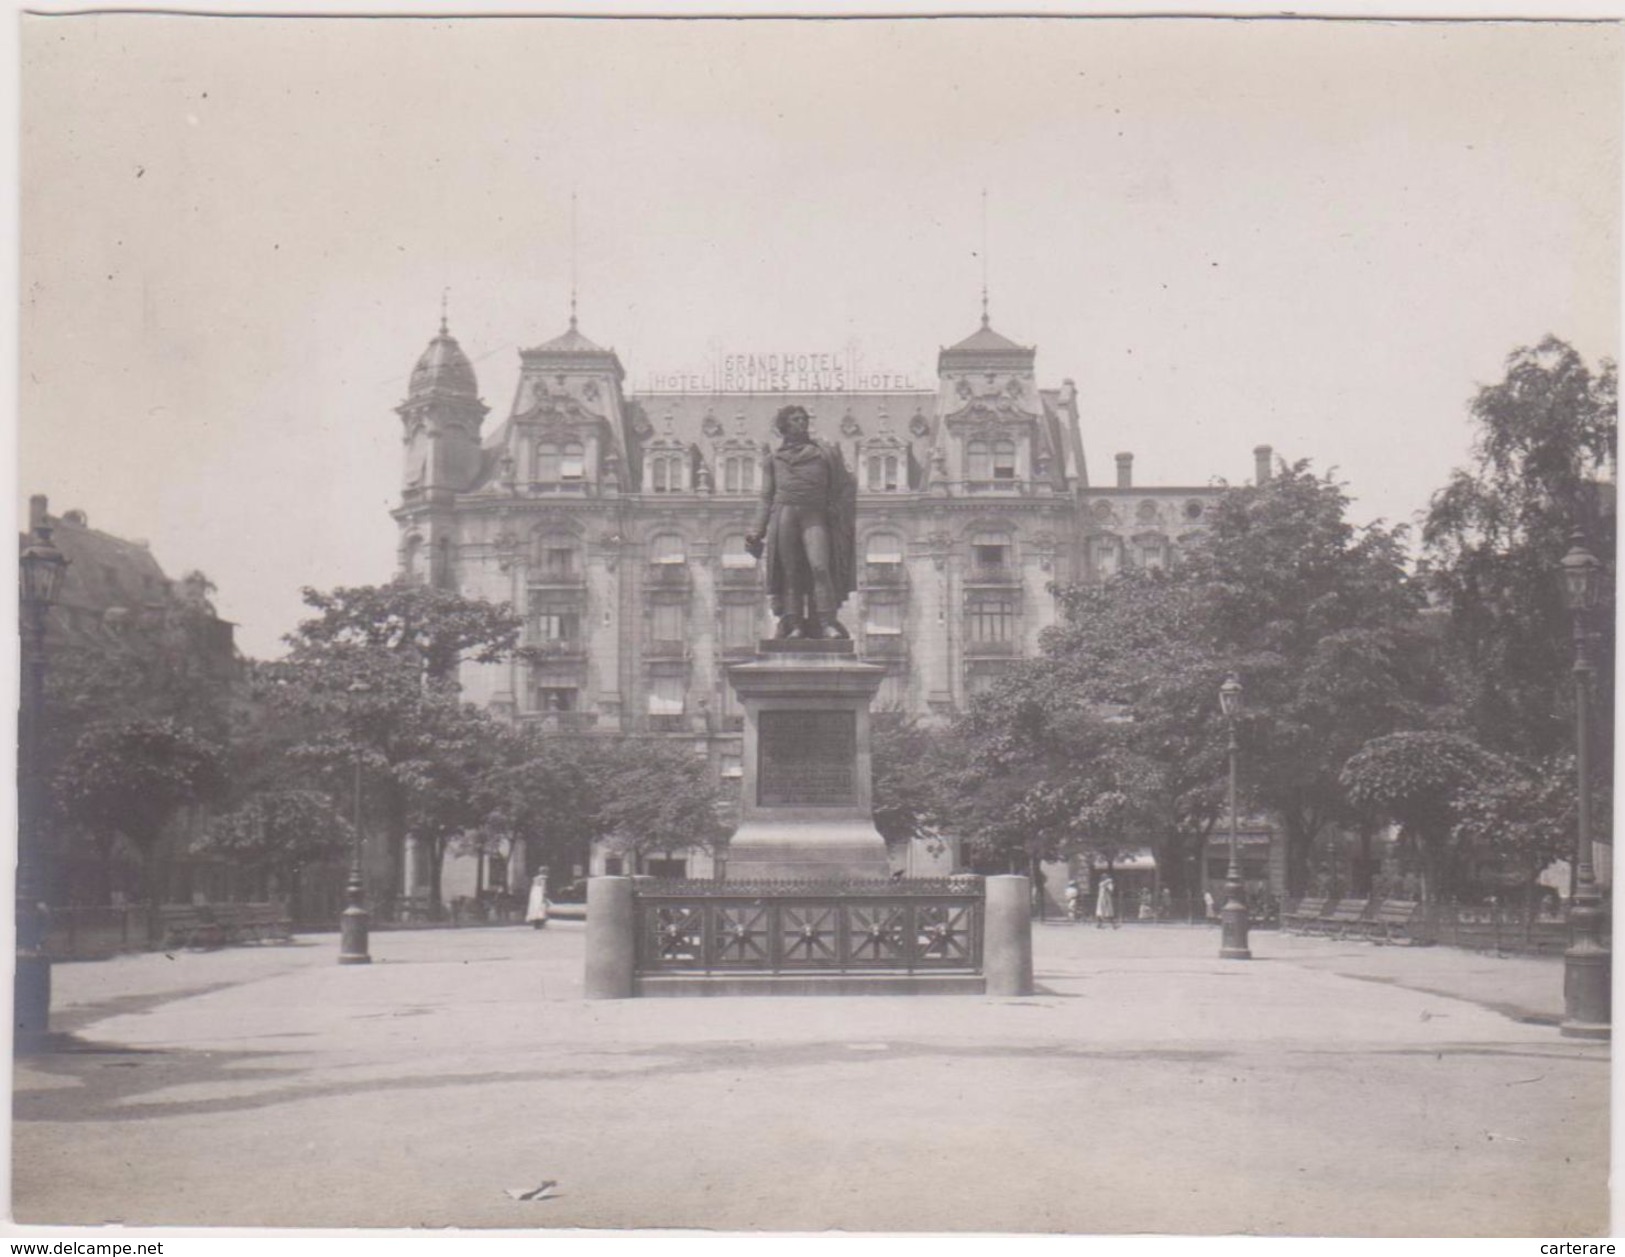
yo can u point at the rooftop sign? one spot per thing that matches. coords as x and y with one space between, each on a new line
790 371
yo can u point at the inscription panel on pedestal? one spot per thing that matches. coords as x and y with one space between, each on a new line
806 759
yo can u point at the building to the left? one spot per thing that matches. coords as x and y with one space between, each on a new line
124 639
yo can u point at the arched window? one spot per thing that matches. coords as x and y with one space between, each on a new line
556 556
1004 460
990 551
667 547
884 547
734 553
978 461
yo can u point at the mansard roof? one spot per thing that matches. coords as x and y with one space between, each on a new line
705 419
986 348
571 342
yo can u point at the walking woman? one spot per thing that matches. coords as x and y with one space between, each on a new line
1106 904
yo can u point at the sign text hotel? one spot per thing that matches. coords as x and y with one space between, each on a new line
787 372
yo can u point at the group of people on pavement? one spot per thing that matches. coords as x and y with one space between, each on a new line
1105 902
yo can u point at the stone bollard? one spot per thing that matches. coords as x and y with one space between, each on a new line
1007 936
609 938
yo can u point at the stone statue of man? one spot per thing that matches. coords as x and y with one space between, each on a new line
804 530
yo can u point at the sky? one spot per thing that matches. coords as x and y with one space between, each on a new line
236 235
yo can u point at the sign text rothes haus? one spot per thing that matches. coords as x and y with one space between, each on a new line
789 371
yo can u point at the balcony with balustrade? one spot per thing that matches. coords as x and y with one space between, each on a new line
666 576
731 577
557 649
993 575
883 575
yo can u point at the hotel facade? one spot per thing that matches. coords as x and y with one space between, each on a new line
614 521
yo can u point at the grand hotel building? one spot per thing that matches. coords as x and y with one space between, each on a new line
615 522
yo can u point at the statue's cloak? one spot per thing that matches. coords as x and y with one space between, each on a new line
842 509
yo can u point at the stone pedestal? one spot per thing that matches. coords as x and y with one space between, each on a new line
805 803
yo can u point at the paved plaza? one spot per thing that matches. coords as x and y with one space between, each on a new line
1327 1087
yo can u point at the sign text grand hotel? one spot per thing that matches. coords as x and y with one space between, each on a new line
786 372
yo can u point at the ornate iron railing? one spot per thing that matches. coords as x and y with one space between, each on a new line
809 927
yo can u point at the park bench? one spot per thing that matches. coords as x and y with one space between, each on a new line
190 925
1299 918
253 922
1395 916
1348 914
219 924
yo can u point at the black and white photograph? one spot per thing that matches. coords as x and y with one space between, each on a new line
788 623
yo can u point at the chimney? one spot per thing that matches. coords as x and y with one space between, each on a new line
1261 464
1125 471
36 511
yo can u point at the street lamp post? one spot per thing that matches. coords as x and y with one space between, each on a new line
40 567
1233 916
354 920
1587 964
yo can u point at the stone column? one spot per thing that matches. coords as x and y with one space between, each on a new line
609 938
1007 937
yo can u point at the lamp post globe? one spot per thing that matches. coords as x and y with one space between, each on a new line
354 921
1587 964
1233 923
40 568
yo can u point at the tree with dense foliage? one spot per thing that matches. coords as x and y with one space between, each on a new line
537 802
1545 450
655 797
279 831
551 798
1106 741
906 771
1321 621
373 678
128 779
437 627
1114 738
1435 786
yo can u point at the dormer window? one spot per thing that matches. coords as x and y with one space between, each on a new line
739 473
883 473
572 462
979 460
666 473
1004 460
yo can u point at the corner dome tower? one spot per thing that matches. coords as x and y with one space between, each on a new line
444 369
